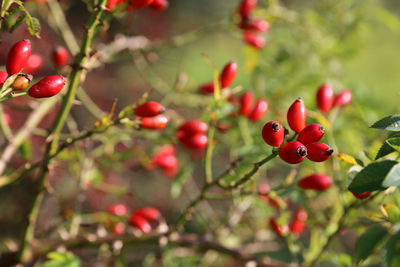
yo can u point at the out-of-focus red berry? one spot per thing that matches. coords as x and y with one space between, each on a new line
207 88
362 195
317 182
246 7
342 99
259 110
159 5
228 74
139 222
193 126
118 228
194 141
3 77
246 103
280 230
60 56
118 209
325 98
136 4
257 25
154 123
34 63
254 40
149 109
149 213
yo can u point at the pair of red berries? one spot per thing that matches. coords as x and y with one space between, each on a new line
151 115
143 217
247 108
17 58
226 78
120 210
326 99
252 27
166 159
296 227
191 134
307 144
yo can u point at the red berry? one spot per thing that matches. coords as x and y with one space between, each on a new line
118 209
293 152
325 97
300 215
317 182
3 77
18 56
228 74
159 5
34 63
318 151
135 4
342 99
254 40
154 123
193 126
118 228
273 133
246 6
297 227
149 109
7 118
259 110
207 88
362 195
60 56
280 230
47 87
139 222
194 141
111 4
258 25
246 103
296 115
311 133
149 213
167 161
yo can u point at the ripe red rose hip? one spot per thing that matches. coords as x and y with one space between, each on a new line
139 222
317 182
207 88
362 195
257 25
194 141
259 110
159 5
246 103
280 230
293 152
254 40
149 109
60 56
246 6
118 209
273 133
318 152
193 126
3 77
311 133
325 98
18 56
34 63
296 115
149 213
342 99
47 87
228 74
135 4
154 123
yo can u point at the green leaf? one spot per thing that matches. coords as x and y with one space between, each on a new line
25 150
371 177
65 259
393 251
393 177
390 123
394 143
33 26
179 181
17 22
386 148
368 241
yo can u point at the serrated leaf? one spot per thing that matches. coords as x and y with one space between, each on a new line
386 149
17 22
179 181
33 26
390 123
368 241
347 158
393 251
393 177
65 259
371 177
394 143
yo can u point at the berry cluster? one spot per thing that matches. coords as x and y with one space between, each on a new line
252 27
247 108
141 218
307 144
17 59
151 116
191 134
226 78
158 5
326 100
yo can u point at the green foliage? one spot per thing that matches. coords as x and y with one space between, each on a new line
390 123
368 242
392 247
60 259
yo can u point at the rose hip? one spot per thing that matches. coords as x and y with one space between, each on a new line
293 152
246 103
18 56
259 110
311 133
228 74
47 87
325 98
60 56
296 115
273 133
149 109
317 182
342 99
154 123
318 152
